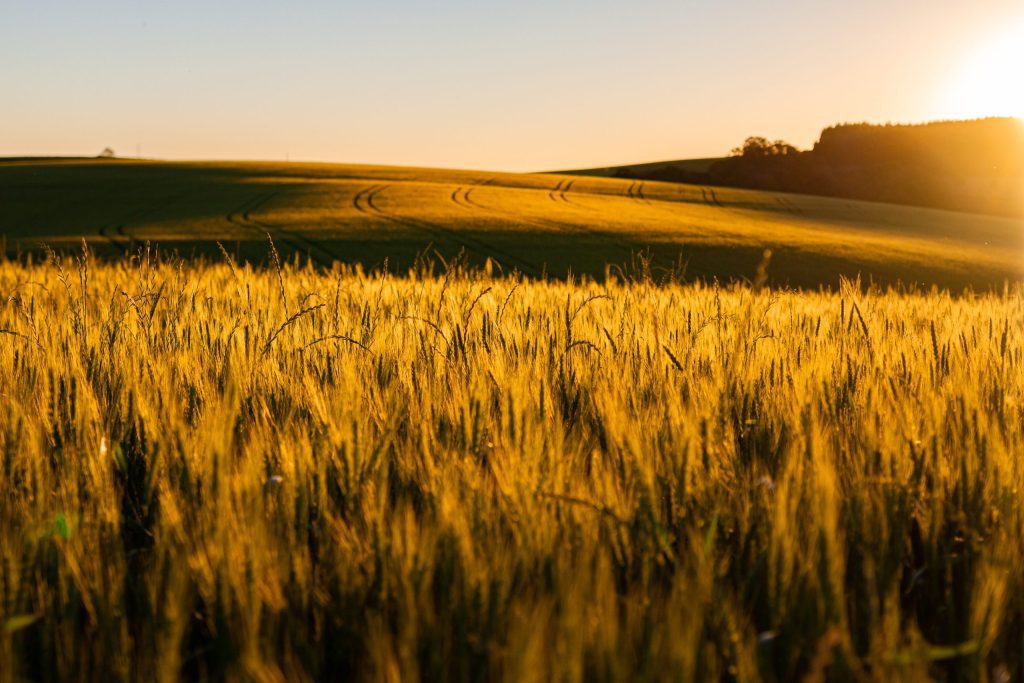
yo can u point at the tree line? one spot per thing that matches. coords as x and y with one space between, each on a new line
973 166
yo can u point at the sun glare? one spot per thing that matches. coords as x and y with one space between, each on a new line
989 81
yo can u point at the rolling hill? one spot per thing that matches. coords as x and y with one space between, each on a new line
677 170
536 223
975 166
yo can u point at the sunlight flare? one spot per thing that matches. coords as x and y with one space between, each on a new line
989 81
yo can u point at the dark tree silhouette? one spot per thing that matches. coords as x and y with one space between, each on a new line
975 166
761 147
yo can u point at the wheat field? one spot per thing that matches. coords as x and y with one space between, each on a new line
213 471
534 223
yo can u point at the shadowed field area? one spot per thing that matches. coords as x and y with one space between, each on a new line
532 223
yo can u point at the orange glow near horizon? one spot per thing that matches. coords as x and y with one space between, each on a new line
989 80
521 86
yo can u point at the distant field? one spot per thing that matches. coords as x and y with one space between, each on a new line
690 165
533 223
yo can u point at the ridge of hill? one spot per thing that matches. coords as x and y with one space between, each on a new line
974 166
539 224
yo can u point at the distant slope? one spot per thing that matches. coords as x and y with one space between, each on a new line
656 170
975 166
535 223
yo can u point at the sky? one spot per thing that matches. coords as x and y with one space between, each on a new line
513 85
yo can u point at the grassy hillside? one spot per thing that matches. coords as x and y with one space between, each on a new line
532 223
653 167
974 166
212 472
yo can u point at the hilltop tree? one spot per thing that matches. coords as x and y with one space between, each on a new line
757 146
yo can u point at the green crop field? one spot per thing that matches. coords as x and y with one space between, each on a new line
532 223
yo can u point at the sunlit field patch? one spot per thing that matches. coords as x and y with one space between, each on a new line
533 223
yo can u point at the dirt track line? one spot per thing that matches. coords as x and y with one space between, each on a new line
463 196
296 241
472 202
640 193
553 194
469 193
565 198
635 191
559 194
668 205
549 223
369 196
243 210
360 201
710 198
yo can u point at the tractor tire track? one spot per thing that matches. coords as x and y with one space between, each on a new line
709 197
635 191
242 217
457 198
558 226
668 206
472 202
553 194
481 247
642 195
365 201
463 196
559 194
361 199
631 190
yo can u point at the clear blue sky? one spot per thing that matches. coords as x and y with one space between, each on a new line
505 85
